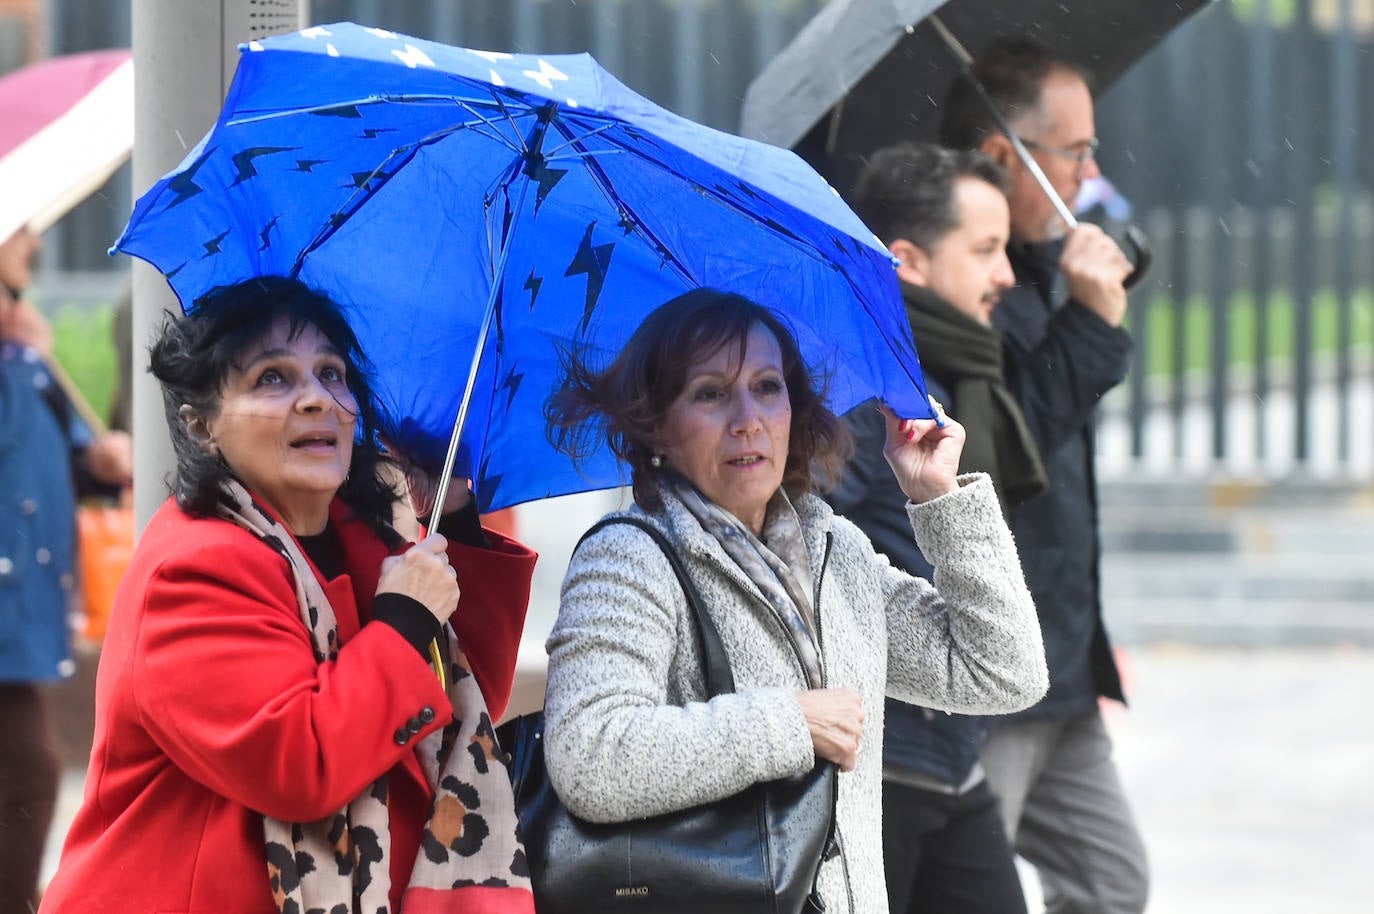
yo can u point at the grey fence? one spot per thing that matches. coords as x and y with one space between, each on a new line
1236 140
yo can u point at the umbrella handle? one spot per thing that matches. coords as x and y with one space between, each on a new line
1135 236
1143 252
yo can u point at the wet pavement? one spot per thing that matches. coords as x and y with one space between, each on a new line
1251 775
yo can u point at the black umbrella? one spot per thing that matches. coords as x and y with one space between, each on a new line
864 74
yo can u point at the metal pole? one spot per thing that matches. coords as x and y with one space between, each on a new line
1303 170
1344 126
1261 140
1220 267
184 55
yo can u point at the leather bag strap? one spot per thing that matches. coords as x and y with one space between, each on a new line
719 678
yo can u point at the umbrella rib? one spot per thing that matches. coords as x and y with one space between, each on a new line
603 184
496 133
366 190
468 105
502 183
365 101
510 119
803 246
591 133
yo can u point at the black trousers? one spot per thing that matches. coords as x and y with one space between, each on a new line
948 853
28 793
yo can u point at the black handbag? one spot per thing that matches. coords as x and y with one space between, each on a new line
757 851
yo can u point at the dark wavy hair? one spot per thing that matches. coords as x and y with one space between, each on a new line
193 356
627 402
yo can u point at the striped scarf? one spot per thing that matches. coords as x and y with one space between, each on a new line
781 569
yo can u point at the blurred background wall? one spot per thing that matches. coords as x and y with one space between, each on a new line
1235 143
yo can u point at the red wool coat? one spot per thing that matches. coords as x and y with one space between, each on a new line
211 711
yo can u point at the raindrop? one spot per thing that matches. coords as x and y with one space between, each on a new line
1253 166
1224 227
1288 144
715 58
180 138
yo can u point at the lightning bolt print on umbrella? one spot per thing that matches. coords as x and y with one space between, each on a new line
476 211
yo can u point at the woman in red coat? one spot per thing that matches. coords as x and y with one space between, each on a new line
271 734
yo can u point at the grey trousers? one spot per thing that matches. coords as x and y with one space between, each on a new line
1065 812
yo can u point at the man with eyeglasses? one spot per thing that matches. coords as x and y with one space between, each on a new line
1063 347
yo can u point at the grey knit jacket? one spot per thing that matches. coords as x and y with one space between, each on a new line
628 733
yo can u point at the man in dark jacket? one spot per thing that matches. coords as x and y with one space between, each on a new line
944 216
1051 766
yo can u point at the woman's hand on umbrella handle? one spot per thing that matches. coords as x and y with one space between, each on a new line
835 718
423 573
924 453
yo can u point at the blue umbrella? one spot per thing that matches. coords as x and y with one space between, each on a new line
475 211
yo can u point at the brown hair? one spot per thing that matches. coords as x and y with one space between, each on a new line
907 190
628 400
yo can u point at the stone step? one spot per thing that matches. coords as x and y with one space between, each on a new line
1238 564
1136 621
1245 577
1356 497
1269 537
1212 519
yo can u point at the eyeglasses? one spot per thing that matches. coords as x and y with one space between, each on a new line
1080 153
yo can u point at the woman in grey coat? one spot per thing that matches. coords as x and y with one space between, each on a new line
725 433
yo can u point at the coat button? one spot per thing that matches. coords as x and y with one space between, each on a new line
427 715
402 736
414 725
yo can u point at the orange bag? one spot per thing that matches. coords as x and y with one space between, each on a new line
105 543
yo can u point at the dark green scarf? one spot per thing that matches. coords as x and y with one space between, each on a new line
966 358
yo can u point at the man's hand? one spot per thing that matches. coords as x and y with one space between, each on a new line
1094 269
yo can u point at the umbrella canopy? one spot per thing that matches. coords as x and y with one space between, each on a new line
864 74
458 201
65 125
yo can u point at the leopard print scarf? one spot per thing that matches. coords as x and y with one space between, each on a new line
470 857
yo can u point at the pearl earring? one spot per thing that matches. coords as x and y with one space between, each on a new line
656 461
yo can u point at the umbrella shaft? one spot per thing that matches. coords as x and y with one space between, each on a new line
436 510
961 54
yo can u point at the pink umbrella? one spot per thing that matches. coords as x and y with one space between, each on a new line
65 125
